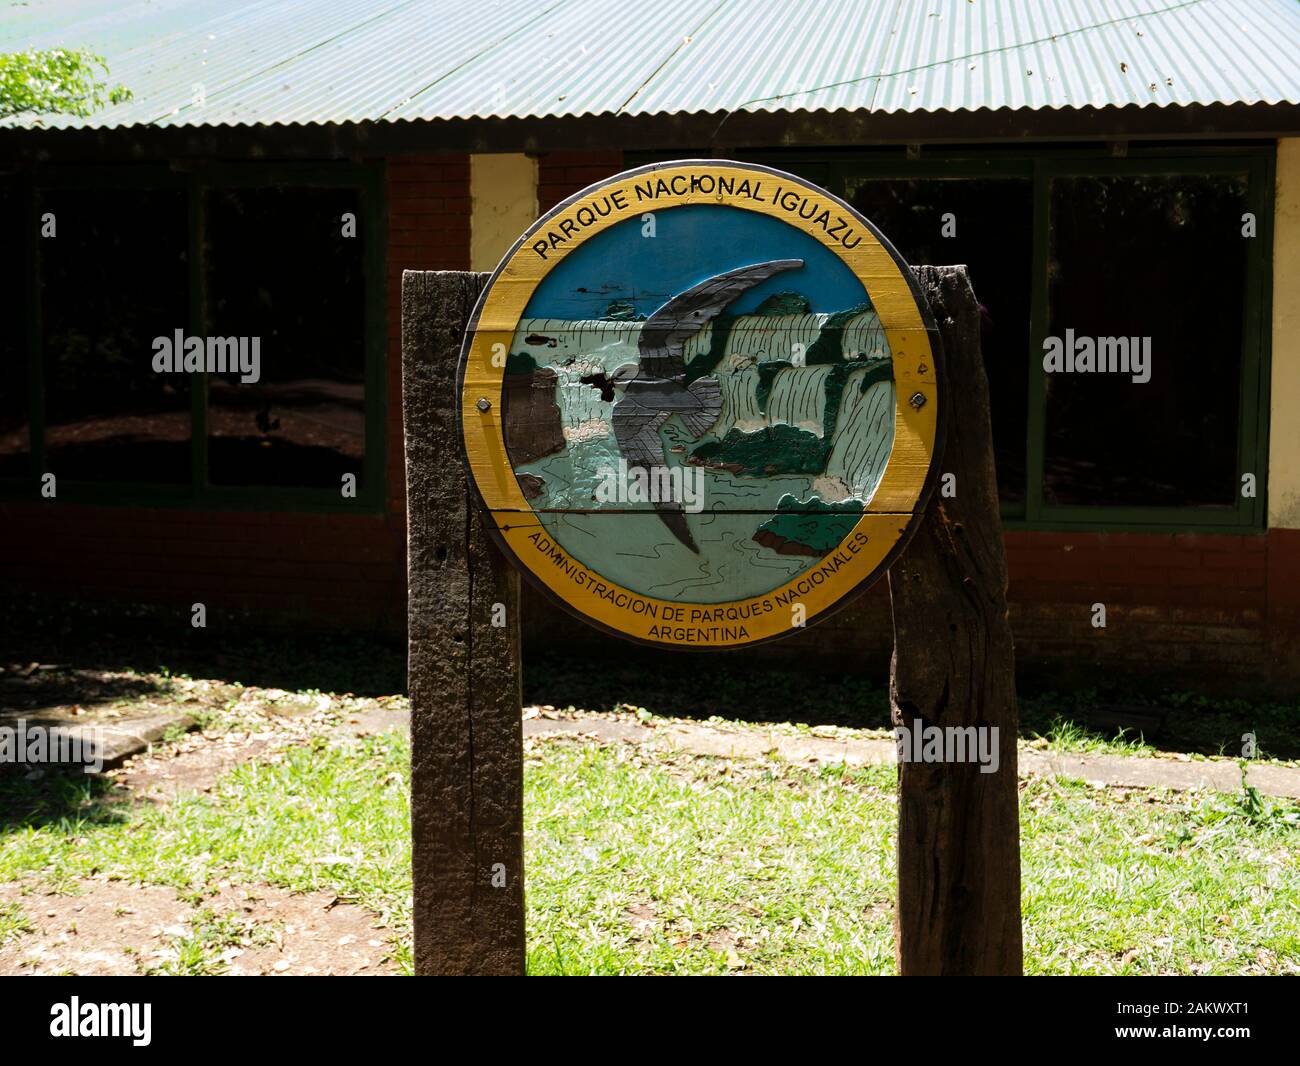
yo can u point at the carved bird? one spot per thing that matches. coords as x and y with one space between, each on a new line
655 389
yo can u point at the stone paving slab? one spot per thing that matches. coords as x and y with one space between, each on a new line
106 742
1115 770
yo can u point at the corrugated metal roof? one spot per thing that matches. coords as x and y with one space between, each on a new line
195 62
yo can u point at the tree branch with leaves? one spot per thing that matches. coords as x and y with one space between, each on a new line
68 81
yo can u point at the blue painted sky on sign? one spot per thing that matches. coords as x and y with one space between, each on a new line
691 243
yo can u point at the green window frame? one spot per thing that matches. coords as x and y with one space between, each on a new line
198 494
839 173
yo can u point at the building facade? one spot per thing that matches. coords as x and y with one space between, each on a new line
1167 495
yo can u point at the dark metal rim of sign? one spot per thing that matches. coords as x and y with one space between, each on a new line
912 519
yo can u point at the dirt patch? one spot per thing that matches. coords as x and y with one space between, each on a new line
258 724
117 928
644 917
193 766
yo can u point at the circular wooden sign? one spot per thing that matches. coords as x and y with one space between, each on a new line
700 403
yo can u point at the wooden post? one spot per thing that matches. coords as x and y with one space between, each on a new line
463 668
958 829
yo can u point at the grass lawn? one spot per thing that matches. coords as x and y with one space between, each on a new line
639 860
643 862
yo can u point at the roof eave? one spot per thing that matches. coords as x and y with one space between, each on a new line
715 132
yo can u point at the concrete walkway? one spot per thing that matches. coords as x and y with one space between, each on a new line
1220 775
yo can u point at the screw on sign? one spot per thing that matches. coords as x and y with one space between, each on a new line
708 437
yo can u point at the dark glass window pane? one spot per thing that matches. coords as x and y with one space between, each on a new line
281 270
992 227
15 430
1158 257
113 278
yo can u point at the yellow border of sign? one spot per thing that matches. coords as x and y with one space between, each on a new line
903 487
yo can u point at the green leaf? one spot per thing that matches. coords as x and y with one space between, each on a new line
55 81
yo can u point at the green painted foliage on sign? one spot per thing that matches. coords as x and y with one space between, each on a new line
812 527
784 303
778 449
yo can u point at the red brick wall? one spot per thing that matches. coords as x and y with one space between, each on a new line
561 174
1175 603
277 566
428 229
1282 588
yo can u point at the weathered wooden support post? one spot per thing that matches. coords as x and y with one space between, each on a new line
464 665
958 828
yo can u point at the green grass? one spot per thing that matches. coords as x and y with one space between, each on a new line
795 869
13 923
1066 736
1192 723
1124 882
200 952
643 863
729 864
333 817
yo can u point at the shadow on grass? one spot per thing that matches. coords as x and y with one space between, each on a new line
56 796
79 640
30 688
68 639
692 686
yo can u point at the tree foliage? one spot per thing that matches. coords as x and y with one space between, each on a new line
57 80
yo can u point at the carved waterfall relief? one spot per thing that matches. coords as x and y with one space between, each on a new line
700 402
